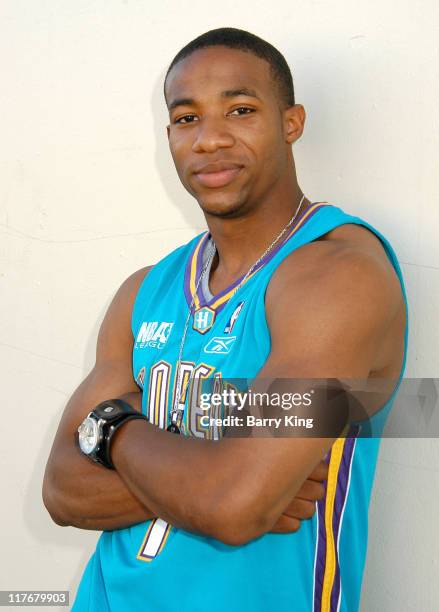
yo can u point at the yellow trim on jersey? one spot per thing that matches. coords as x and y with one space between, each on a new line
229 294
331 488
192 283
224 298
142 547
140 556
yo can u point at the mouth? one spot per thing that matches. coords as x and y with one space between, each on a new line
211 177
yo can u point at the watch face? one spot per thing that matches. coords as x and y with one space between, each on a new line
88 435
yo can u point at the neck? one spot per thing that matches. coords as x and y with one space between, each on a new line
241 241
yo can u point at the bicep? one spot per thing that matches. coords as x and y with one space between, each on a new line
322 326
329 321
111 375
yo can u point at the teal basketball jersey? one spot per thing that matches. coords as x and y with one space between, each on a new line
153 566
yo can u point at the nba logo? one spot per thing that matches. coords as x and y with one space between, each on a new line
231 322
203 319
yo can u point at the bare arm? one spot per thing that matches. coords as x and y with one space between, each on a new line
77 491
84 494
236 489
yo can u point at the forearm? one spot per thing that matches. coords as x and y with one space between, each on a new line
187 482
82 494
222 489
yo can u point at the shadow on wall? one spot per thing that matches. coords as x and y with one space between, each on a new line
186 205
38 520
39 523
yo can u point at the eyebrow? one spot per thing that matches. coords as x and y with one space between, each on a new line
228 93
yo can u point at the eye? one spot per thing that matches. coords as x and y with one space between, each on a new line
242 110
185 119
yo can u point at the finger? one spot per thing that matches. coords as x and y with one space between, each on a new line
320 472
286 524
311 490
300 509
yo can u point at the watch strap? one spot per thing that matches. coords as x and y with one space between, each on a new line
111 430
114 413
112 409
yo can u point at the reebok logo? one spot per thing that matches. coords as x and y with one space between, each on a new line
153 334
219 344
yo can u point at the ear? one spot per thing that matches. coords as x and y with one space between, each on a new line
294 122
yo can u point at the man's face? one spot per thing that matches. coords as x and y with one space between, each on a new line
227 130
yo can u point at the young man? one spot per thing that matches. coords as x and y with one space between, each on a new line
278 287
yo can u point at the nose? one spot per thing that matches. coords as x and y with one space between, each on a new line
212 134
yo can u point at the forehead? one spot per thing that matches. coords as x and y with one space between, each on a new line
214 69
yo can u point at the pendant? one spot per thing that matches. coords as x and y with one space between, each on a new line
203 319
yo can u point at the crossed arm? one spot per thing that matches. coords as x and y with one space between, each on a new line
232 489
83 494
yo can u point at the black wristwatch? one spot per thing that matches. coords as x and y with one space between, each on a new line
99 426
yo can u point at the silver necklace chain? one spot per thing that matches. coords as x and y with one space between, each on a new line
176 412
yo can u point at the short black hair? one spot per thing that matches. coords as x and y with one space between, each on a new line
245 41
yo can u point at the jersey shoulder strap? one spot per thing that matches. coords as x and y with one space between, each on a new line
328 218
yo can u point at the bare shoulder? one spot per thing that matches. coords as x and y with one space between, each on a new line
115 337
131 285
341 288
125 296
357 237
349 257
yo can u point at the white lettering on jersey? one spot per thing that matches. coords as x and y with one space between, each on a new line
153 334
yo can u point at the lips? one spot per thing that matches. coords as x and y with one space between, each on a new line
217 174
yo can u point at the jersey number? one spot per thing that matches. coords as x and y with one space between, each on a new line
157 411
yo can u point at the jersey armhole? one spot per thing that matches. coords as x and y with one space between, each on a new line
339 219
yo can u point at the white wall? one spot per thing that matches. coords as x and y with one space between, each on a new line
88 194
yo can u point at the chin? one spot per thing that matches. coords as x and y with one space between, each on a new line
221 208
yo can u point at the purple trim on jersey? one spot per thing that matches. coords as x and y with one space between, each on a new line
339 503
204 300
187 271
288 234
199 268
265 259
220 293
319 571
221 306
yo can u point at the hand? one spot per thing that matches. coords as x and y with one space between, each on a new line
303 506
